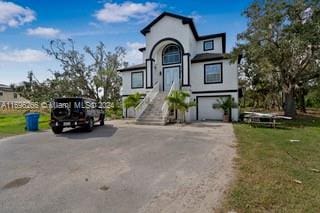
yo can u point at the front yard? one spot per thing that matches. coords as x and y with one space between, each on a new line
276 174
13 123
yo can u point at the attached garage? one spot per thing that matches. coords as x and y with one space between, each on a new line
205 110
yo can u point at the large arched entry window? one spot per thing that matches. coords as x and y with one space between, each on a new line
171 55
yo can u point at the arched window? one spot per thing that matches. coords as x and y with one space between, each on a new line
171 55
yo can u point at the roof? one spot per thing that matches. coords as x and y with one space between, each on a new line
4 87
189 21
142 49
134 67
208 57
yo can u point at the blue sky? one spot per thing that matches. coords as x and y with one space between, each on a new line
27 26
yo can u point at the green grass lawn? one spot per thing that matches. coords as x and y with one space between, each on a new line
14 123
270 168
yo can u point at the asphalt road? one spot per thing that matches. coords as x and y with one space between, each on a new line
117 168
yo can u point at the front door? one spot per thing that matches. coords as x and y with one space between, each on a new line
170 74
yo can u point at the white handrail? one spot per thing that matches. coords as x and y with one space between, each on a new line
144 103
165 106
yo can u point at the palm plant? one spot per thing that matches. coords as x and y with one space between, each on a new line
132 100
226 104
177 101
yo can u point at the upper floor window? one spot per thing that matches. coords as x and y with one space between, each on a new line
15 95
171 55
213 73
1 93
136 80
208 45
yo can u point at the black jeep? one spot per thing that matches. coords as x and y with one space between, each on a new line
75 112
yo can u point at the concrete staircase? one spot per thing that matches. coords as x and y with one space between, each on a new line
153 113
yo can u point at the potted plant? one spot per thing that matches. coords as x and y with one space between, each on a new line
226 104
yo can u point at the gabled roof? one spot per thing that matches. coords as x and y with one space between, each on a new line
132 68
185 20
208 57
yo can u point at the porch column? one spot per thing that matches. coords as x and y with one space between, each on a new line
149 73
186 69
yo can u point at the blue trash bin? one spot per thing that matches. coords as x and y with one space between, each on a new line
32 121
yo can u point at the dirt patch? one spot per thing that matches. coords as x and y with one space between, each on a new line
104 188
17 183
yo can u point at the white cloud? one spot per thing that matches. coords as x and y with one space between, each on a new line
46 32
5 47
196 17
13 15
25 55
134 56
116 13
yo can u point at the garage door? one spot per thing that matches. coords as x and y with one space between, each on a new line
205 110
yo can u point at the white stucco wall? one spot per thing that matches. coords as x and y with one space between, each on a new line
126 83
217 46
229 76
169 27
144 56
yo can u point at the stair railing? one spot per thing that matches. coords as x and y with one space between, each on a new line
146 101
165 106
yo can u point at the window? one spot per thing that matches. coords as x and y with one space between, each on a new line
213 73
171 55
136 80
208 45
1 93
15 95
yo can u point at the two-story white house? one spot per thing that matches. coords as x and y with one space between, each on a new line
177 57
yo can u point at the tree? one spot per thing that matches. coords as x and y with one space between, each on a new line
33 89
177 101
76 79
83 76
132 100
281 45
313 97
105 67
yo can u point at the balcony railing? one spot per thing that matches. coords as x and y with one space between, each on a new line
145 102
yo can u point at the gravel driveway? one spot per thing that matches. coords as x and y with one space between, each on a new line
118 168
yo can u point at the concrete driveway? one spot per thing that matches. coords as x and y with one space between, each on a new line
118 168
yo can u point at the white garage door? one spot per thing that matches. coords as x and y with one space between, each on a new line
205 110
